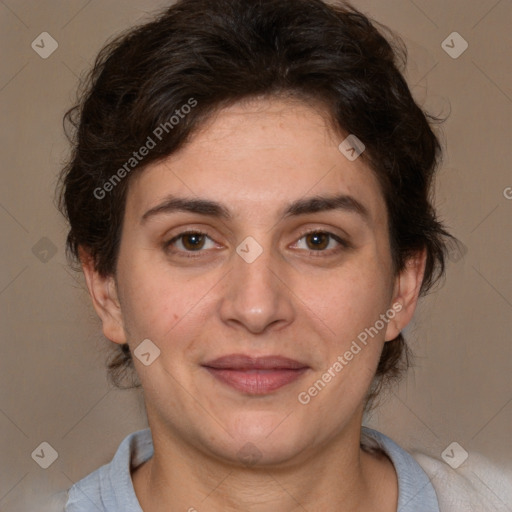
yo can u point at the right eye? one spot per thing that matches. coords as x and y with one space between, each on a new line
190 241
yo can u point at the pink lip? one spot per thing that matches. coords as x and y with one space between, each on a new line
255 375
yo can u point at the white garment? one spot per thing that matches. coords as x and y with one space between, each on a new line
476 485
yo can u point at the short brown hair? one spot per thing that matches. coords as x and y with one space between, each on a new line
221 52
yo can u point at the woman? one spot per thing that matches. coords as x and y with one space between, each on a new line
248 197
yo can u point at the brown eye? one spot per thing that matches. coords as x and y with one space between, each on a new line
193 241
319 240
322 242
188 242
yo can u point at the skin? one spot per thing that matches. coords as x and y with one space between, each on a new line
294 300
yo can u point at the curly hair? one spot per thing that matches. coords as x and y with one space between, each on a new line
222 52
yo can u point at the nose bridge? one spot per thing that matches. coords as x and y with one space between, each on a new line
256 296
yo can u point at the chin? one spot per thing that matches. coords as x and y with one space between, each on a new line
263 439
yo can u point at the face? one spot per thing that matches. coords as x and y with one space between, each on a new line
278 276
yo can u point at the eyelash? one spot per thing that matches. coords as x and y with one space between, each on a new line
343 244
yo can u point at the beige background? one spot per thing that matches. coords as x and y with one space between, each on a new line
52 379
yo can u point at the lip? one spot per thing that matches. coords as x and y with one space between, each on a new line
255 375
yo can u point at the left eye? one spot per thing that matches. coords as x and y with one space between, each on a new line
319 241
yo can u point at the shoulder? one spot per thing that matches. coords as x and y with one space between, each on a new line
477 485
110 486
86 494
415 491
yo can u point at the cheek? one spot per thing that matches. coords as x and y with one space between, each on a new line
157 304
351 306
350 299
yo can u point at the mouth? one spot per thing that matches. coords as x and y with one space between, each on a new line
255 375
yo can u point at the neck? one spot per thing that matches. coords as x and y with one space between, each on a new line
337 477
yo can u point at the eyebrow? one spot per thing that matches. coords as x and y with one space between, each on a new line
304 206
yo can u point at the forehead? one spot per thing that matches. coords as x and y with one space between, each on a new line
256 156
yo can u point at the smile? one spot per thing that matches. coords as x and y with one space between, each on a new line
256 382
255 375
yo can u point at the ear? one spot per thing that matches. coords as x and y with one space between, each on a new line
406 293
104 297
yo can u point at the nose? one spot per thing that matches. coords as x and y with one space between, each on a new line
257 296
